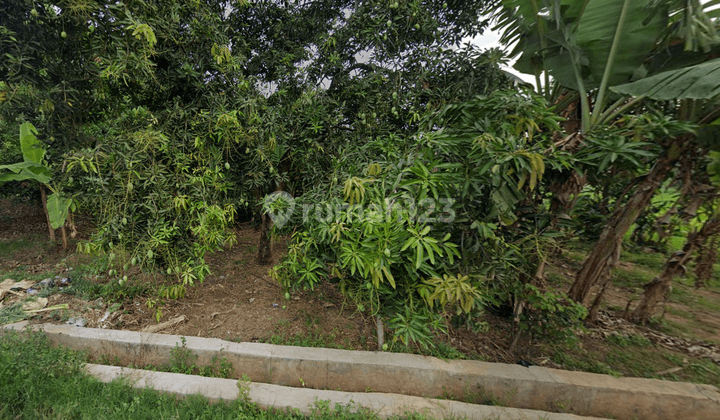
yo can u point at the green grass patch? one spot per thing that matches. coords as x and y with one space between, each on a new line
313 337
625 341
652 260
44 382
680 294
632 277
582 361
635 356
110 291
34 242
438 349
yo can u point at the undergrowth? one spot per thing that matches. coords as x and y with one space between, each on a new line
44 382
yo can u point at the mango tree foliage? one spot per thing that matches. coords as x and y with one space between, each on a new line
170 118
448 220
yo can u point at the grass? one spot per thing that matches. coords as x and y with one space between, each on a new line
632 277
44 382
651 260
111 291
313 337
35 242
634 356
85 269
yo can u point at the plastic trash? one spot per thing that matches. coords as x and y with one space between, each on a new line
107 314
35 305
32 291
47 283
65 281
275 305
523 362
78 322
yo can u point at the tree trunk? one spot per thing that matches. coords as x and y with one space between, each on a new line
43 198
707 258
658 289
264 247
64 237
565 194
602 258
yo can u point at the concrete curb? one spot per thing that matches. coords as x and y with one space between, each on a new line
302 400
534 388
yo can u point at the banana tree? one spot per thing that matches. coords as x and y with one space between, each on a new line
33 168
589 46
696 86
586 47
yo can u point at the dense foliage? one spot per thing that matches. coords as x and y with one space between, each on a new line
417 174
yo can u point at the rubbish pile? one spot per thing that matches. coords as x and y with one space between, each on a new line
19 300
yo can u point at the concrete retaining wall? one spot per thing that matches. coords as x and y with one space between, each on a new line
303 400
359 371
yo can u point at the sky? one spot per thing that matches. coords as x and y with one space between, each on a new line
491 39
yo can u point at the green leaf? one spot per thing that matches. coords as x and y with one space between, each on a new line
700 81
58 208
583 36
32 148
18 167
24 176
596 31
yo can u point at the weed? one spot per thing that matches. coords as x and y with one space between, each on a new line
629 340
652 260
440 349
243 385
268 374
220 367
36 243
182 360
481 396
111 291
586 364
633 277
314 337
12 313
104 359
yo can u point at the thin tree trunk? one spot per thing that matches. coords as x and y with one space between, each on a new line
43 197
565 194
64 237
264 247
658 289
598 263
707 258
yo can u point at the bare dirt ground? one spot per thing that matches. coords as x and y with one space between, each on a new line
240 302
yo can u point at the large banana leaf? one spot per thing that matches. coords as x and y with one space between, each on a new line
58 208
597 27
23 171
582 32
701 81
24 176
32 148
